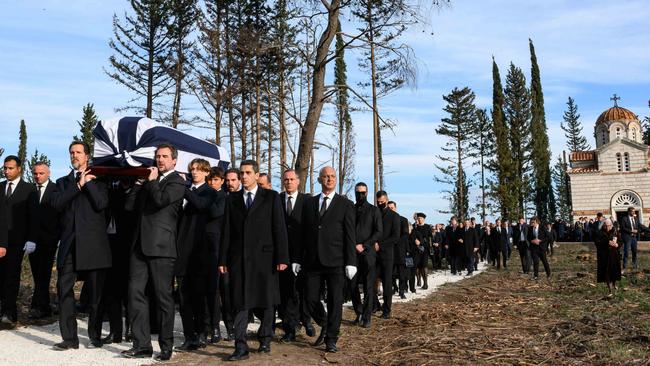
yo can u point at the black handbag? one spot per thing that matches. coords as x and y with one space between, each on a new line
409 262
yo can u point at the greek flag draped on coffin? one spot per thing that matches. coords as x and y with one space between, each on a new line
132 141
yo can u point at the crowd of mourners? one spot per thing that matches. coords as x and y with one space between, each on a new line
223 246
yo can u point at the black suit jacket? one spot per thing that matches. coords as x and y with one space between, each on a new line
368 227
47 229
500 239
541 235
18 212
83 222
390 232
403 243
214 228
452 235
193 247
470 241
254 243
328 241
516 233
293 222
626 228
157 205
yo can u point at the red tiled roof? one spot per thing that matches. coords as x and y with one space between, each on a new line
582 170
617 113
583 155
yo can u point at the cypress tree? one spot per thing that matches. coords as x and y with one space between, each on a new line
646 128
502 165
2 173
462 115
87 125
540 152
22 146
518 114
573 128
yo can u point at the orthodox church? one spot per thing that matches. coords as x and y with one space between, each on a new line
616 175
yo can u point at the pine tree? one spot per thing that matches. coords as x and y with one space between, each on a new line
184 14
562 189
87 125
482 150
344 121
539 152
462 115
502 164
22 146
33 160
142 46
573 128
518 114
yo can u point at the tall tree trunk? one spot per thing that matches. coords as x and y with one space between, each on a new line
460 180
318 92
258 123
150 67
373 84
269 157
244 128
176 107
283 132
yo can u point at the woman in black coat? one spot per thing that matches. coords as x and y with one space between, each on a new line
608 256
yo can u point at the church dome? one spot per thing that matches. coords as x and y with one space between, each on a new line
617 113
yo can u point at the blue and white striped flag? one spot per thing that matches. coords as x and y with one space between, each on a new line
132 141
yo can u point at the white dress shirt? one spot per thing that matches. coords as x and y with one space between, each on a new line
253 194
14 184
329 199
43 187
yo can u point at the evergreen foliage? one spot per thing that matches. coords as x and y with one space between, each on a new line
33 160
573 128
562 189
87 125
344 121
22 145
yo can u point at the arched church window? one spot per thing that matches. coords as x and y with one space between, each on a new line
618 132
618 162
633 133
603 136
626 158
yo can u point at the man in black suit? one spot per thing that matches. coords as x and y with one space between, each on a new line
454 247
254 249
400 252
84 250
232 185
327 253
19 214
500 240
630 235
157 203
293 309
213 229
47 236
471 245
520 238
368 232
538 239
194 256
385 249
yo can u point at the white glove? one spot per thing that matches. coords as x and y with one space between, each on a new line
350 271
295 267
30 247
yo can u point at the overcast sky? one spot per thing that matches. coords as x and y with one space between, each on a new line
53 52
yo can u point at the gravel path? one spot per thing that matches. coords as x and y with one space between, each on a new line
33 345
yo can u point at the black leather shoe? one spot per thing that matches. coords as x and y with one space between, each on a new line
138 353
187 346
216 337
65 345
264 347
366 323
165 355
331 347
309 329
321 338
357 320
94 343
288 337
385 315
402 296
128 335
238 355
203 341
112 338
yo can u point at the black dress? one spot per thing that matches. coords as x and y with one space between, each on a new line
608 257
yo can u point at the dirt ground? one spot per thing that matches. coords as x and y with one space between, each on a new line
498 317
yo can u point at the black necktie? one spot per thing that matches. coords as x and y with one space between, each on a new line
9 190
289 206
249 200
77 176
323 206
193 189
40 192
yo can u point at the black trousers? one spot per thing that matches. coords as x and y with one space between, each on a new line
366 277
289 309
524 256
410 275
193 301
227 311
115 298
264 332
385 262
10 267
334 279
94 282
213 303
457 263
41 262
538 253
400 275
161 273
